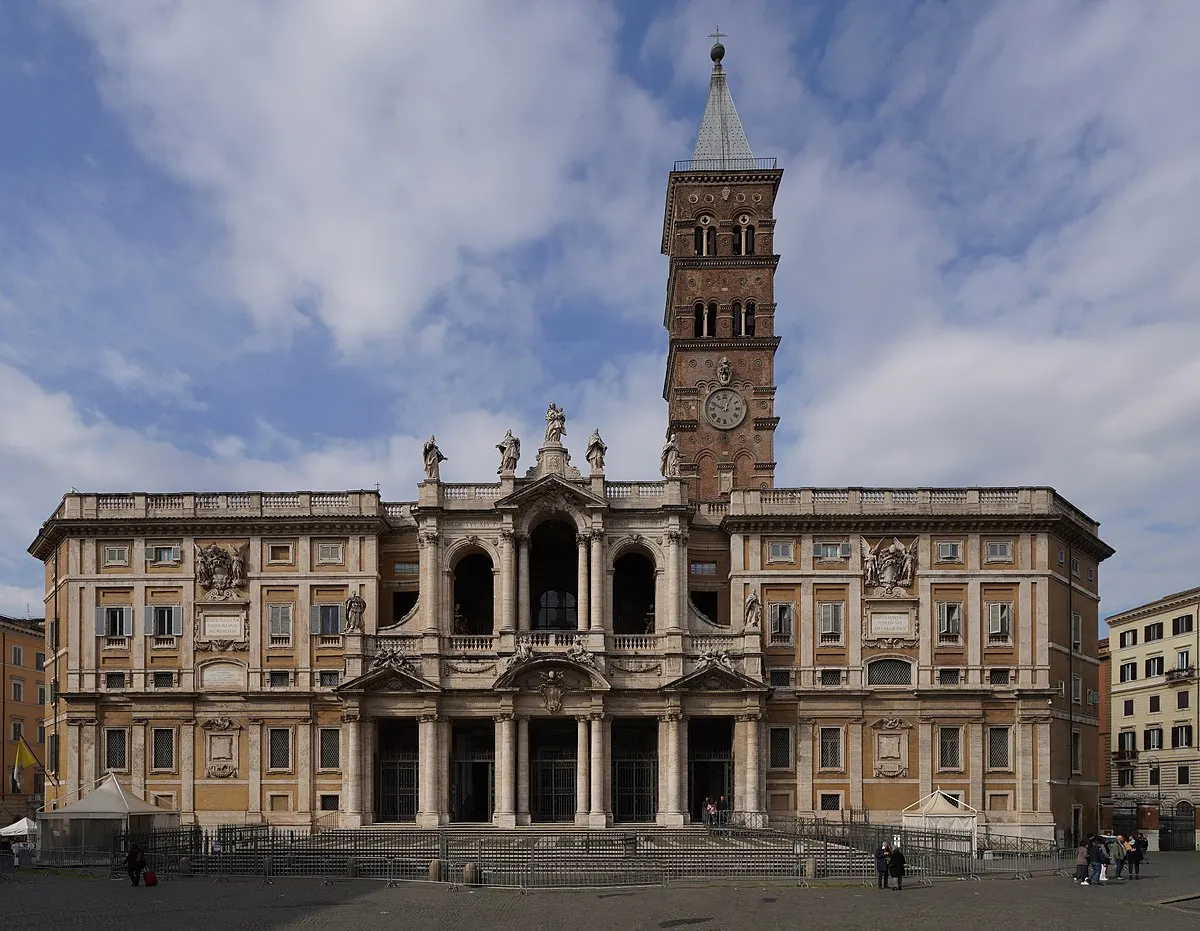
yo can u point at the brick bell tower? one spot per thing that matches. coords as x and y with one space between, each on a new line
719 230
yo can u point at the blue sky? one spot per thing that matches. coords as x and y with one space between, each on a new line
276 245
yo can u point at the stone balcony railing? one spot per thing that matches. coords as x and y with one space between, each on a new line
78 506
884 501
1181 674
557 642
1124 756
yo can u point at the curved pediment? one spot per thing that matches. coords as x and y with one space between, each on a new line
531 675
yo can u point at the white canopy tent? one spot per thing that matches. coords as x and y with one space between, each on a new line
22 827
91 822
938 811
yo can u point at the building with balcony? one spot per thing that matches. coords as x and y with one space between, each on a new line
1156 715
556 647
23 679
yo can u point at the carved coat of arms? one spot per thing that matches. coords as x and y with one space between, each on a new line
554 683
221 570
888 568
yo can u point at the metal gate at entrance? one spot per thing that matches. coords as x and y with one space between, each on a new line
1124 819
710 776
396 787
1177 829
635 787
552 787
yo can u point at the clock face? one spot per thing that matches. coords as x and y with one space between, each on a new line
725 408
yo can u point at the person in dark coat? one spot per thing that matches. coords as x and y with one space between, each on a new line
896 867
881 865
135 862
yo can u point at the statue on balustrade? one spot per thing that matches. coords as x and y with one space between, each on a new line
556 425
356 606
753 611
510 452
432 457
595 451
669 460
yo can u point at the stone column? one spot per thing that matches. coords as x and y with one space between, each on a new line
674 544
599 576
582 771
685 771
137 763
304 780
427 742
508 581
187 770
597 817
581 575
352 773
523 584
431 578
673 815
804 765
753 772
925 760
505 747
523 768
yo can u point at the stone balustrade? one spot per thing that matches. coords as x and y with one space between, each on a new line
80 506
634 643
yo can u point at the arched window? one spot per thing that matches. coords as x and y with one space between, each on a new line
743 319
704 238
698 319
743 236
710 320
889 671
737 318
556 611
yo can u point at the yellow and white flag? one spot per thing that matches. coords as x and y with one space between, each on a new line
24 758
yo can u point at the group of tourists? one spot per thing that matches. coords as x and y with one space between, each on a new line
1096 855
889 864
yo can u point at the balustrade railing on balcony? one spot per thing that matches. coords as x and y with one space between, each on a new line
634 643
699 642
409 644
562 638
1124 755
469 644
470 492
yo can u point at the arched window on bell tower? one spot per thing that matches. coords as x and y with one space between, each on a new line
705 237
698 320
744 321
743 236
710 320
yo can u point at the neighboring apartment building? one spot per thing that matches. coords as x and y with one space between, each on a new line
22 675
556 647
1156 713
1105 733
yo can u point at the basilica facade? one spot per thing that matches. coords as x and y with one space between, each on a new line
557 648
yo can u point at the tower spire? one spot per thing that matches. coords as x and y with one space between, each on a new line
721 141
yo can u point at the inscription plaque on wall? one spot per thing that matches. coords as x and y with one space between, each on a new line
223 676
890 624
224 627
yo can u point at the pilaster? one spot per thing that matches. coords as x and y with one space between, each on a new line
505 816
596 816
523 583
523 769
507 580
598 579
582 771
254 768
582 600
187 770
304 767
427 815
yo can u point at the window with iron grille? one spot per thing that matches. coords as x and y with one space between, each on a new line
780 616
114 680
949 677
949 748
164 680
780 748
330 748
115 744
999 676
831 677
279 744
277 679
829 617
779 678
163 748
329 803
949 621
831 801
998 748
831 748
889 671
329 678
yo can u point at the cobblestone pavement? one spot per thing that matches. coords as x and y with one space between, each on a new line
56 901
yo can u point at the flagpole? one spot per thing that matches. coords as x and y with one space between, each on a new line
38 763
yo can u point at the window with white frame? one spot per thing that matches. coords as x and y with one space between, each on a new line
782 622
1155 704
1183 659
831 551
281 553
999 551
831 747
162 744
1127 741
1181 736
1062 557
1156 666
1076 630
1181 625
116 743
999 614
17 731
115 621
830 617
779 745
18 690
1077 689
279 624
18 656
1154 632
329 748
889 671
949 748
166 620
1125 777
780 551
1152 738
1075 566
999 756
1128 672
1128 638
1091 574
163 554
704 568
949 551
279 748
330 553
949 621
116 554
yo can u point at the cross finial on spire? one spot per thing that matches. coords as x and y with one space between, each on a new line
718 35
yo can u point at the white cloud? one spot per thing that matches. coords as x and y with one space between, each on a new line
20 602
163 387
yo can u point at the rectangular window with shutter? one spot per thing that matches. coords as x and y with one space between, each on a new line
1076 630
780 616
949 621
279 748
949 748
326 620
831 748
999 616
163 748
329 749
998 748
114 621
780 748
279 624
163 555
162 622
115 748
329 554
829 551
116 555
829 621
949 551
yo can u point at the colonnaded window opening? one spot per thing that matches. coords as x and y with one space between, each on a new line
474 606
553 746
633 594
402 603
710 765
472 771
706 604
634 769
553 574
396 770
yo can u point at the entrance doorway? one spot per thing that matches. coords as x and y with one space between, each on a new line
472 771
396 770
634 770
710 765
552 769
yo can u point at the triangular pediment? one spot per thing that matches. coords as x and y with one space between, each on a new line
715 678
551 488
389 677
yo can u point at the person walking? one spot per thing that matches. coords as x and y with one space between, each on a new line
1133 856
1081 863
135 862
1095 859
882 853
896 866
1116 853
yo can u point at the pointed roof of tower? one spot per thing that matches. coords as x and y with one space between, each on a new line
721 139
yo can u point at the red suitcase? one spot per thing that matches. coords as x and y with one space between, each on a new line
149 878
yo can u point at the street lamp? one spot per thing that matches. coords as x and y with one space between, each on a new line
1153 762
